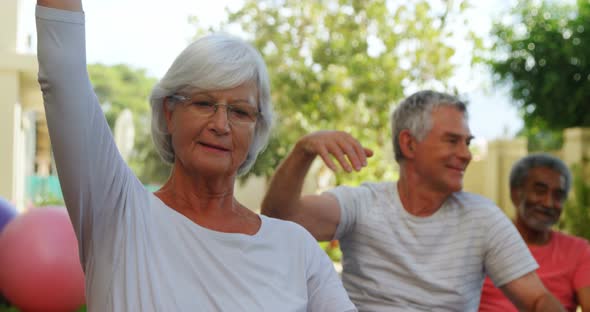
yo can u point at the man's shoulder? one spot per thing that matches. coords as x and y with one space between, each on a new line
473 202
375 185
575 242
367 188
379 186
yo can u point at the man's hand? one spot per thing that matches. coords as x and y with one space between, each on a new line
338 144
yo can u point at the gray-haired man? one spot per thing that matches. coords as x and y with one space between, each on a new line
418 244
539 184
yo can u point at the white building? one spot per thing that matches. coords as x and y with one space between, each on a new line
24 150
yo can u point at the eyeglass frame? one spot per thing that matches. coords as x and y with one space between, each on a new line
180 98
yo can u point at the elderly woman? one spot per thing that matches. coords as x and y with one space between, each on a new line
191 246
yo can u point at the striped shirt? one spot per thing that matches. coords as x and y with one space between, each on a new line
394 261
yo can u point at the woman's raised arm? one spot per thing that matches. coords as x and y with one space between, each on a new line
94 178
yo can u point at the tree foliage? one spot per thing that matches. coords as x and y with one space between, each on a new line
343 65
120 87
542 52
576 213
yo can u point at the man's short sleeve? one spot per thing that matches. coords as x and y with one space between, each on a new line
352 201
507 256
582 273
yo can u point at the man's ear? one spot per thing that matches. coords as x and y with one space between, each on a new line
516 196
407 144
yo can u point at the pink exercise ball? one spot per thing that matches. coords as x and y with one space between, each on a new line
39 265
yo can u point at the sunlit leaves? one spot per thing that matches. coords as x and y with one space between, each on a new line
343 65
121 87
542 53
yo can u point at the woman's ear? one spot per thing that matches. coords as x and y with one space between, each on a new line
167 108
407 144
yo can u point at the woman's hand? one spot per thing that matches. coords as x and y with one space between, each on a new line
338 144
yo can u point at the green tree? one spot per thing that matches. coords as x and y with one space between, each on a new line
542 53
344 65
121 87
576 213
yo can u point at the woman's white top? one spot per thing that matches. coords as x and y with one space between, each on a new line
137 253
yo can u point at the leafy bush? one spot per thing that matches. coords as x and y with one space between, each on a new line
576 214
332 248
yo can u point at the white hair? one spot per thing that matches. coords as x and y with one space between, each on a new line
415 114
214 62
520 169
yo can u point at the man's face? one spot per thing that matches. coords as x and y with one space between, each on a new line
443 155
539 201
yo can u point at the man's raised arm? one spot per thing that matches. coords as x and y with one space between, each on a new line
319 214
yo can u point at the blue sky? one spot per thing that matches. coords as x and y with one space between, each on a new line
148 34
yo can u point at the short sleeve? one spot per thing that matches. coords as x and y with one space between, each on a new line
506 256
582 273
352 201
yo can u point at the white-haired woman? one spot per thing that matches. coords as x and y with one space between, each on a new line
190 246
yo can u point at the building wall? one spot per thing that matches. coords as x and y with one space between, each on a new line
489 175
19 95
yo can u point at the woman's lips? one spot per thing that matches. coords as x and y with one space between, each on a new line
214 147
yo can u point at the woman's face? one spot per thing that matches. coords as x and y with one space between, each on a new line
211 131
